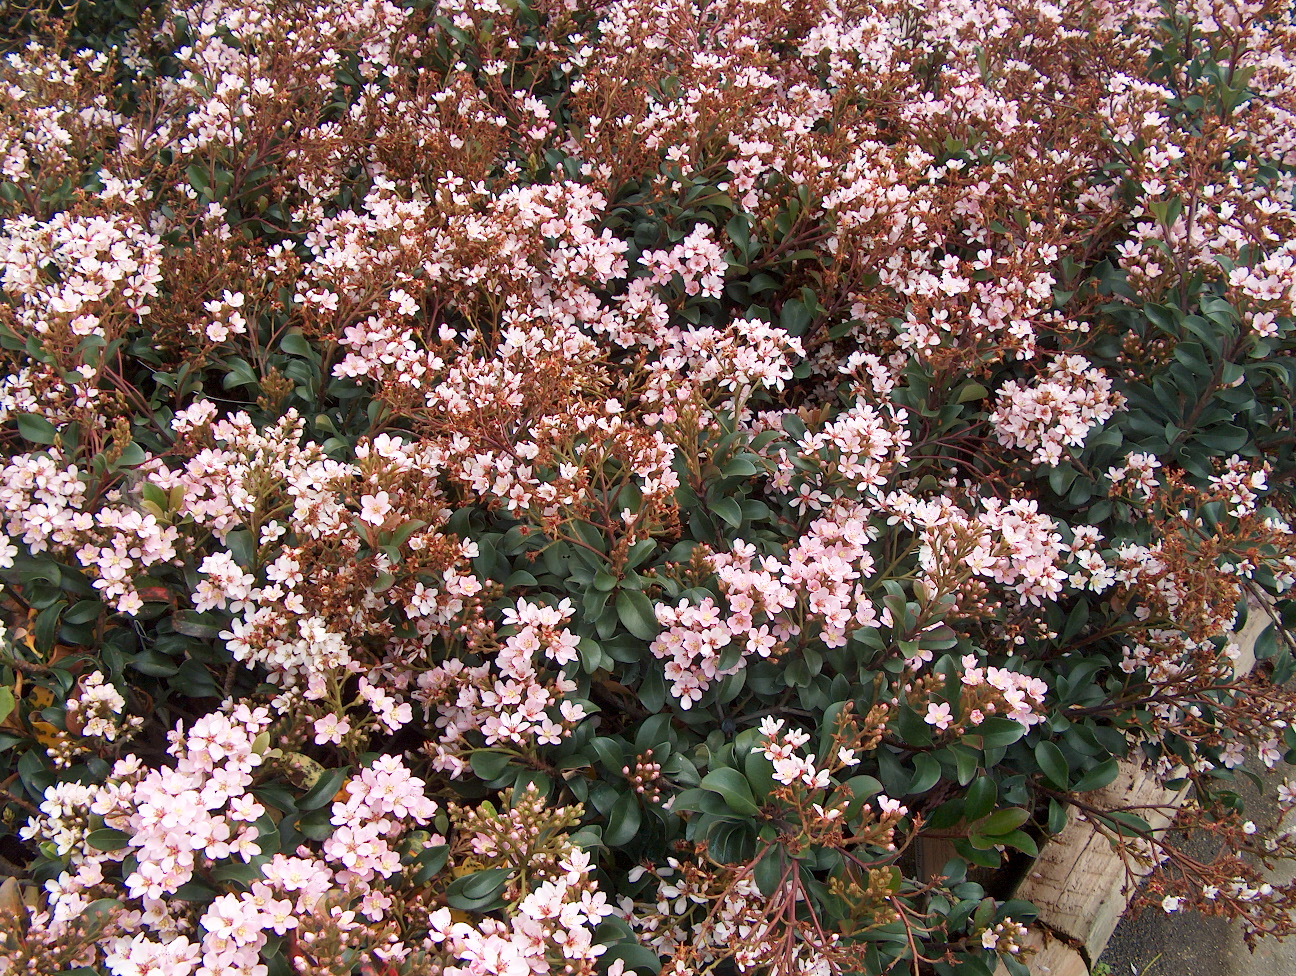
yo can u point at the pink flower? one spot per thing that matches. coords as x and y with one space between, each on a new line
331 729
374 508
939 715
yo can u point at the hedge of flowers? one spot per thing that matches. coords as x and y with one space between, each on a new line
566 487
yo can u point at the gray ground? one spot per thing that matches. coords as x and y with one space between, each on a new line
1188 944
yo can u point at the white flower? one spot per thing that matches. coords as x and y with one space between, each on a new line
887 805
771 726
374 508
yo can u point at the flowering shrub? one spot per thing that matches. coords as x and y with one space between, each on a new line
539 487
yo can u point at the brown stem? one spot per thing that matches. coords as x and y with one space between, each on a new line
25 804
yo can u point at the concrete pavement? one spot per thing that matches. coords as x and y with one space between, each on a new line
1188 944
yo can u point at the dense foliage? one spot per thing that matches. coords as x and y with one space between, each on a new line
544 486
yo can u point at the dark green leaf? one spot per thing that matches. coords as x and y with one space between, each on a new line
36 429
196 891
325 789
733 788
296 344
729 510
996 731
635 611
862 788
1057 816
769 870
760 773
1053 764
1021 840
1001 822
107 839
927 773
981 798
474 892
624 821
430 861
634 956
1095 779
739 467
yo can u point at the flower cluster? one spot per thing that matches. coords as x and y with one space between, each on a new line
569 487
817 593
518 700
698 260
1069 400
178 822
990 691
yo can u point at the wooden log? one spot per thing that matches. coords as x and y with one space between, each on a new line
1079 882
1052 957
